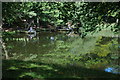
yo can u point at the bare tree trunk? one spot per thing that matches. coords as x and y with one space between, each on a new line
4 48
1 42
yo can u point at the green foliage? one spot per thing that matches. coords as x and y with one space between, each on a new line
8 33
106 46
90 15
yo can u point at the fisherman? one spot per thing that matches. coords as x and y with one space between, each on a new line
31 30
69 24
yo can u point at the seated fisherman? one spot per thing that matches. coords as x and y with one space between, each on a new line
31 30
69 24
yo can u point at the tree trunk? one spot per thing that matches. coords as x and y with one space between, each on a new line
4 48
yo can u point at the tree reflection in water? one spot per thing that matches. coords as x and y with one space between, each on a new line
85 54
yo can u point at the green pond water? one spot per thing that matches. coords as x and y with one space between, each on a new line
53 55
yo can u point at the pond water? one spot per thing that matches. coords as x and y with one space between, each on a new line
97 53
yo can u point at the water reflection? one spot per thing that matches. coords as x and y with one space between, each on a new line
30 44
89 52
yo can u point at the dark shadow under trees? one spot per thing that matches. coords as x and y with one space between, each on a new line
28 70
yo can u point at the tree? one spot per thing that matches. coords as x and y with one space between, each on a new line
90 14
